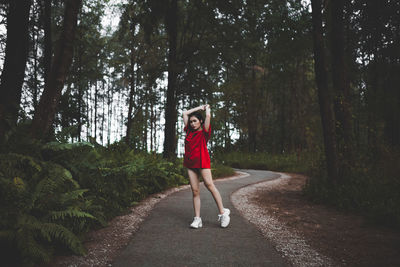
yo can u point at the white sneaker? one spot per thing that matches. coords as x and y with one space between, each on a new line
224 218
197 223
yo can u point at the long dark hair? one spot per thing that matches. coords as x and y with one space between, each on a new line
199 116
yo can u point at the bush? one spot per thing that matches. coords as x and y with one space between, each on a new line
292 162
220 171
42 207
116 176
371 188
53 193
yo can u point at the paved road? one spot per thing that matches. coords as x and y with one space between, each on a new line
165 239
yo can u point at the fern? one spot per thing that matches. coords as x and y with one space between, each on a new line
59 174
72 195
30 249
41 206
79 185
30 231
71 213
16 165
53 231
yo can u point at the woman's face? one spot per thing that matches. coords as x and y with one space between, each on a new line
194 123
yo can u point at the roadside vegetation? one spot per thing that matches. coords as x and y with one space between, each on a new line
53 193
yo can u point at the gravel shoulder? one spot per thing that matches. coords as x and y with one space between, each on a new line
343 239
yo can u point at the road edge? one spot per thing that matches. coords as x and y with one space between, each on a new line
288 243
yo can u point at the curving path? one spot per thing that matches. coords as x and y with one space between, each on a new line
165 239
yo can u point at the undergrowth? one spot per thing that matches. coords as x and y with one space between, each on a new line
292 162
52 194
370 188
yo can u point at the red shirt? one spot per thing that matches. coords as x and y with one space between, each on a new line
196 153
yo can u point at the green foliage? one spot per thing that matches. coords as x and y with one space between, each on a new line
220 171
292 162
116 176
20 141
371 187
41 207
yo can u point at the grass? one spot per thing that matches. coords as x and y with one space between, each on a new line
299 163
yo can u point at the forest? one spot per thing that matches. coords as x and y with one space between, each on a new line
92 95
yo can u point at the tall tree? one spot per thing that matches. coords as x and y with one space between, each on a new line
44 115
131 99
171 23
340 79
16 54
48 49
325 102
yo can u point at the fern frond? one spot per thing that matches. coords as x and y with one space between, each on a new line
26 221
72 213
53 182
30 249
14 162
45 186
72 195
59 174
58 232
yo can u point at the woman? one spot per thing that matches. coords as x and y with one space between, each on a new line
197 160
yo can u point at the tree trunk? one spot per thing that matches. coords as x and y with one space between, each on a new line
96 92
152 126
325 102
48 50
282 122
109 112
252 111
340 81
44 115
35 83
103 114
227 132
170 113
88 109
130 107
146 123
80 96
16 54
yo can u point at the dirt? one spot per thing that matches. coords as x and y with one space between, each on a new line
348 239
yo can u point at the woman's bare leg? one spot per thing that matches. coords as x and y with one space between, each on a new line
208 182
194 184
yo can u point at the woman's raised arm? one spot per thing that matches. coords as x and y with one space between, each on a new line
208 118
187 112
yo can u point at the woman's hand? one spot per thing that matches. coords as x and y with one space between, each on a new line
207 109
